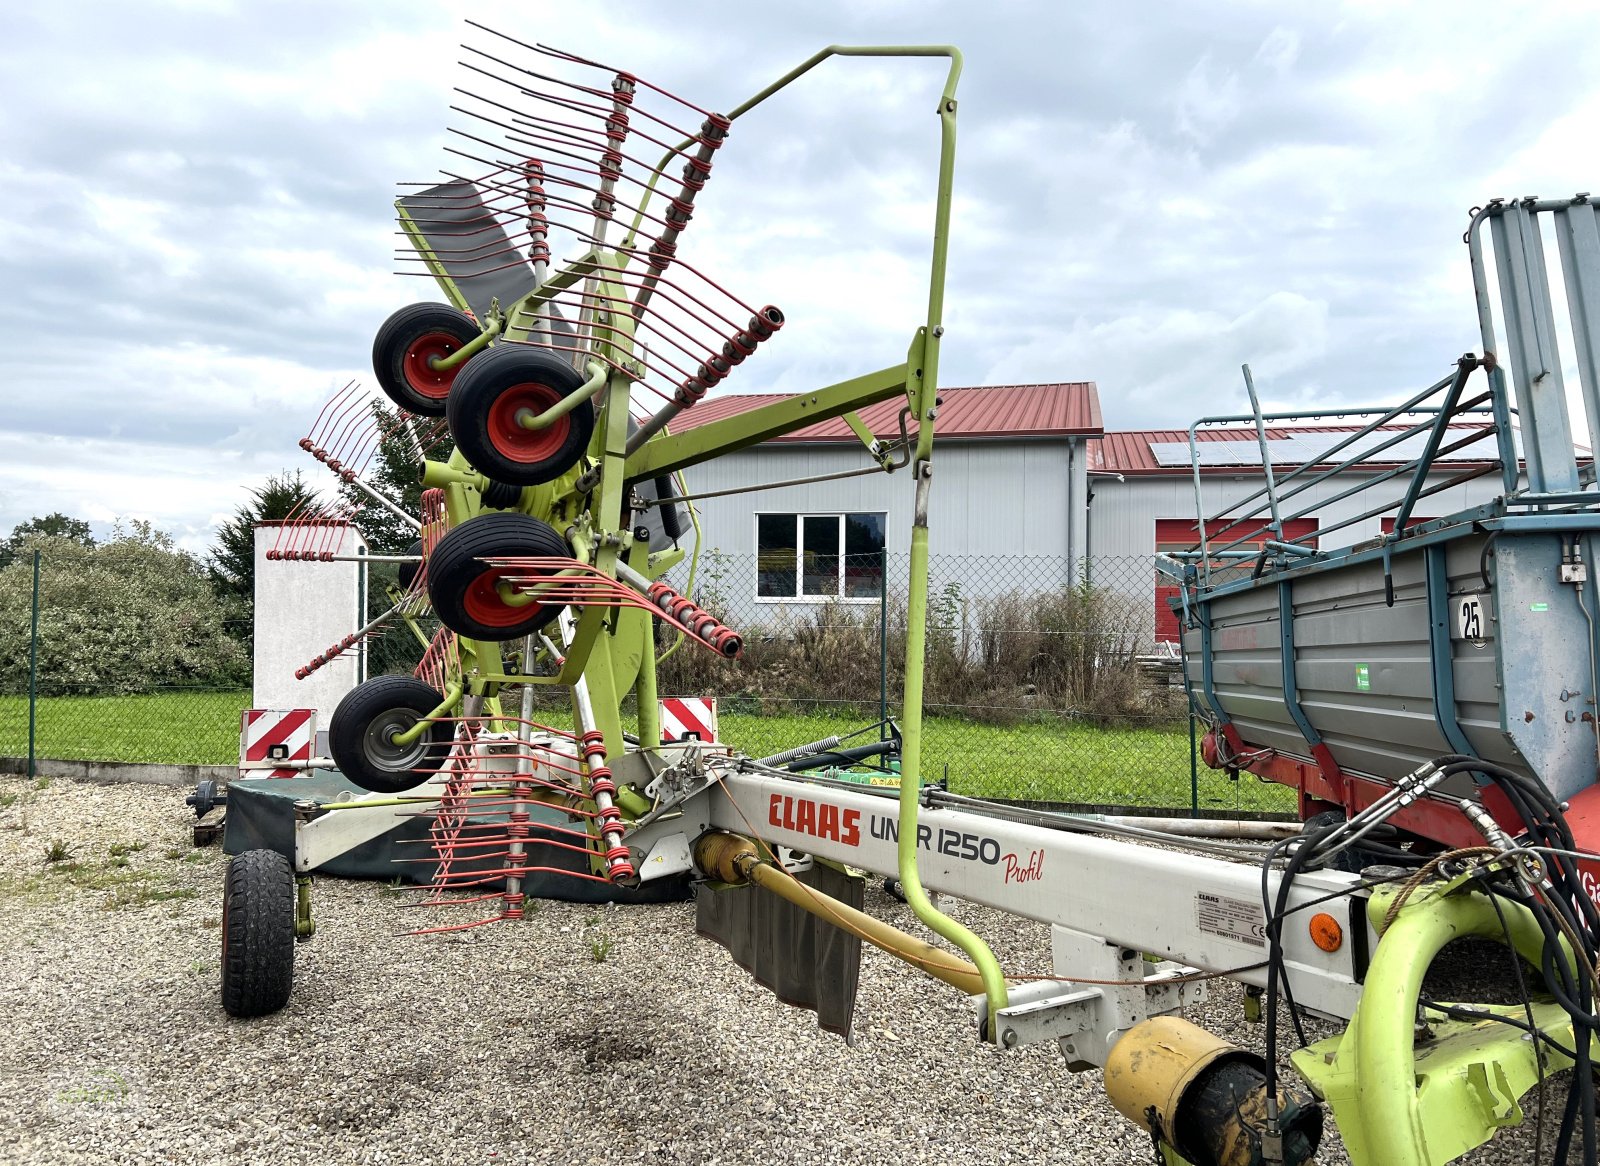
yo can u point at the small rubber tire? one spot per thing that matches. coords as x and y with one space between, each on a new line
501 496
404 345
1351 860
463 588
496 387
369 715
408 572
258 902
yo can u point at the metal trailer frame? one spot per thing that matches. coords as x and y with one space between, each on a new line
1481 630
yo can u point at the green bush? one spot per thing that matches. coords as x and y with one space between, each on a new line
128 615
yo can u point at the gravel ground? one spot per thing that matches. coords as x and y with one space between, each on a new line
505 1044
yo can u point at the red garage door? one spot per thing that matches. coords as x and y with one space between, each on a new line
1182 534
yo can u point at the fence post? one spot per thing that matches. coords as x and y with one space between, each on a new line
1194 771
33 665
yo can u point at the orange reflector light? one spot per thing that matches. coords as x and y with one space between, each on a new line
1326 932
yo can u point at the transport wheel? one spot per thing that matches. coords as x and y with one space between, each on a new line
257 933
498 387
1351 860
501 496
409 571
405 344
361 734
463 587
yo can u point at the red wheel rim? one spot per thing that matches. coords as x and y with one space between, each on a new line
527 446
482 603
431 383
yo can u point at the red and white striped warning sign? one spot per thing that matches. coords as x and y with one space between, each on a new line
688 718
269 737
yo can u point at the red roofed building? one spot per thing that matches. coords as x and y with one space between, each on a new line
1010 482
1030 494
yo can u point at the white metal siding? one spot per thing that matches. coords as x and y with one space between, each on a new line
302 608
990 498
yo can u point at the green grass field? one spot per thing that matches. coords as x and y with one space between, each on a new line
189 727
1055 761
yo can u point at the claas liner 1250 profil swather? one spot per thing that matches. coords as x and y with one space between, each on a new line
545 532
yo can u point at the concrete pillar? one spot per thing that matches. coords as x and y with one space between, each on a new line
301 609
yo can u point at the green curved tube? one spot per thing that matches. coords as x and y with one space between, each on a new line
596 382
994 980
414 733
1383 1031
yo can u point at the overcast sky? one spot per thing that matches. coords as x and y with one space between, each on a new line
197 238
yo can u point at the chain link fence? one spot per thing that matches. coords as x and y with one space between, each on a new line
1046 682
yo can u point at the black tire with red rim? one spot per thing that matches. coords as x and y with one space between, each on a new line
408 340
464 589
509 382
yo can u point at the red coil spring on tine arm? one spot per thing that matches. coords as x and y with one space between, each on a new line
734 350
605 203
347 431
323 658
602 789
538 222
563 582
701 623
696 169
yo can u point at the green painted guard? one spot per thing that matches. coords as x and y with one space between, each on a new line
1407 1099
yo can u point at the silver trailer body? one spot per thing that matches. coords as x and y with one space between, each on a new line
1473 634
1486 654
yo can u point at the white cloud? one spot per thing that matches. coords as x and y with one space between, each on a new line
198 238
1158 367
1279 50
1207 101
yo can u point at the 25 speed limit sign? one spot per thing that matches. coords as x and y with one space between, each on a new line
1471 617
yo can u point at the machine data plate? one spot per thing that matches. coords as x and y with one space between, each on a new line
1239 919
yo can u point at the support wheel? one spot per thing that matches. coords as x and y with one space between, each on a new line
1352 860
466 592
408 340
257 933
362 730
408 572
498 388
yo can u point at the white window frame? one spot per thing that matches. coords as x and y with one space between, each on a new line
800 517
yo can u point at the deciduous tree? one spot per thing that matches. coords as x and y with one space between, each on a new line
55 525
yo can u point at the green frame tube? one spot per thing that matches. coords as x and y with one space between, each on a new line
414 734
491 332
596 382
921 386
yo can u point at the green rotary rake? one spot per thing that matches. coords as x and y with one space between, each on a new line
547 528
